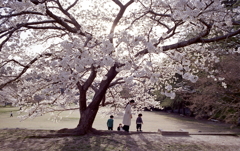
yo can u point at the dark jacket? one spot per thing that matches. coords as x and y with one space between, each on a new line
139 120
110 122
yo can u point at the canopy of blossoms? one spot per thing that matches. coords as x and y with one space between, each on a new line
50 49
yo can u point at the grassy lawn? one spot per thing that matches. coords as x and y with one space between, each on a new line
8 109
15 135
152 122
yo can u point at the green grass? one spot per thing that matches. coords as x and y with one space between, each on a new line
8 109
69 118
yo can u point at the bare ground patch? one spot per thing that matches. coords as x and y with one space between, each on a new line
21 139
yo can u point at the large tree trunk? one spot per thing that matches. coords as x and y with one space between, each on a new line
88 113
86 121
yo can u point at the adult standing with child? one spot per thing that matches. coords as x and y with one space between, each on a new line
127 116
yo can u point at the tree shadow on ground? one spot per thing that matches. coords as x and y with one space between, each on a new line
39 140
97 141
105 140
118 141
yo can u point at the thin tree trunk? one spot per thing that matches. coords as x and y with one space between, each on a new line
184 111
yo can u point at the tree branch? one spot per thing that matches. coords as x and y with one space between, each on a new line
26 67
220 37
21 13
45 27
90 78
119 15
64 24
157 14
74 3
12 60
118 3
197 39
5 40
117 81
137 19
74 22
103 87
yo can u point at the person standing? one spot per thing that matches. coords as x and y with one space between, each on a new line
110 123
139 122
127 116
11 114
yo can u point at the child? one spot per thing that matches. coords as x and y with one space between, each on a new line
139 122
120 128
110 123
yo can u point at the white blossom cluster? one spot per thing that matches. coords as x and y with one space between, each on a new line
50 83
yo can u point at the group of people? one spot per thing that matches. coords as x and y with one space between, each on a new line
126 119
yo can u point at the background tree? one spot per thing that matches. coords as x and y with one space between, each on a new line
218 100
62 51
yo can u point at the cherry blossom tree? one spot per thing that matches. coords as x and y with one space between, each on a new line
65 52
